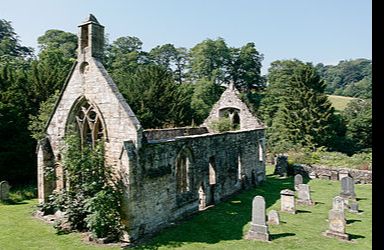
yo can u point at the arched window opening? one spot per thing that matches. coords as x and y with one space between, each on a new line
212 170
182 172
89 125
233 115
236 121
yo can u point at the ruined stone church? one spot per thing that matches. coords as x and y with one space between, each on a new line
167 173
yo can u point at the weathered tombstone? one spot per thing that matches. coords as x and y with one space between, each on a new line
336 225
347 188
353 207
4 190
334 175
343 173
273 217
287 198
298 180
338 203
281 166
312 175
259 229
304 195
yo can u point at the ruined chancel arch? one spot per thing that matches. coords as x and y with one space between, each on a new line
166 173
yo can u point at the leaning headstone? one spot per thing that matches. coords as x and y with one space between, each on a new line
343 173
298 180
304 195
273 217
347 188
287 198
338 203
337 225
281 166
259 229
353 207
4 190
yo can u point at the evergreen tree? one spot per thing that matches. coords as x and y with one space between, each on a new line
301 113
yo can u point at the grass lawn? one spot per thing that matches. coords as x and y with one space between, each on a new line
339 102
220 227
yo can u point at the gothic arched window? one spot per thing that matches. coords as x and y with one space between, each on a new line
89 124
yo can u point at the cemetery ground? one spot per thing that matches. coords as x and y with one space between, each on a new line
218 227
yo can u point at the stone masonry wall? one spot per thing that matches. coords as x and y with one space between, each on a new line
153 201
323 172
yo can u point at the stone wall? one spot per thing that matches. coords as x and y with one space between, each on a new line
153 197
329 173
171 133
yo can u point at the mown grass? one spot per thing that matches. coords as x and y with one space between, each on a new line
339 102
219 227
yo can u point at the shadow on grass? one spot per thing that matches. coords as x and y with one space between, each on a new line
225 221
303 212
276 236
352 221
361 199
355 236
12 202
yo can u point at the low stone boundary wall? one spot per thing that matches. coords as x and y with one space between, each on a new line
329 173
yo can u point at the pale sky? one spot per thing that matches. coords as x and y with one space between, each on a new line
314 31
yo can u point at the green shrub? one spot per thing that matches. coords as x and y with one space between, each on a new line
222 124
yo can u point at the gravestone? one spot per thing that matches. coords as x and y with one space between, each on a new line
287 198
4 190
353 207
304 195
259 229
273 217
281 166
343 173
337 225
312 175
348 188
298 180
338 203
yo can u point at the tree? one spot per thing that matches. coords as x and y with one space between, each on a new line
303 112
172 58
245 68
206 93
65 42
210 59
358 115
9 42
154 97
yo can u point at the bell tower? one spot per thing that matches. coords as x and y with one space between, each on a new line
91 38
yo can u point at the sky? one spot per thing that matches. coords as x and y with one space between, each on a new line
317 31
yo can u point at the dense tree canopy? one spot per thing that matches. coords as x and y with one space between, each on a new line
296 107
174 86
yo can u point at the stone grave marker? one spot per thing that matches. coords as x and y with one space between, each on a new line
273 218
343 173
4 190
298 180
348 188
312 175
281 166
287 198
304 195
338 203
259 228
337 225
353 207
